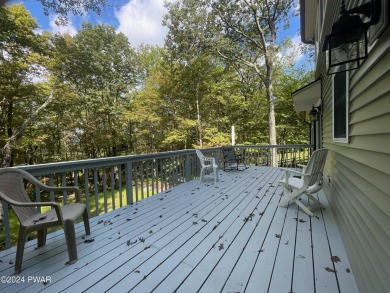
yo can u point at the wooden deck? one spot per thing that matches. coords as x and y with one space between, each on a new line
197 237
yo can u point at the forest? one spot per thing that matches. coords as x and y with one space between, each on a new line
90 95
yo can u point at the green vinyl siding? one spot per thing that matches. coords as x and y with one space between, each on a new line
357 173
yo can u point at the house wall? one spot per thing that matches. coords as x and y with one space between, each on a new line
357 173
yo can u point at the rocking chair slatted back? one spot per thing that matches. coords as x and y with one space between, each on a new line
315 167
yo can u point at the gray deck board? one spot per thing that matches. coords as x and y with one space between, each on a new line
197 237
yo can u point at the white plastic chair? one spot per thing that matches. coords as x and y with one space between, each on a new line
207 163
309 182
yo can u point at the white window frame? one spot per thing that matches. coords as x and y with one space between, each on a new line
346 96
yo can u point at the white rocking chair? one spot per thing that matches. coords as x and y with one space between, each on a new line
310 182
207 163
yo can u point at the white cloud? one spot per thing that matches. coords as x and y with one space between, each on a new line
140 21
69 28
296 41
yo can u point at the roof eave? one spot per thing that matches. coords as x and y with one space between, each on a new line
307 16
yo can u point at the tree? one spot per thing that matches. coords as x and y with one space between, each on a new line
292 128
104 75
243 32
63 7
249 29
165 110
22 53
187 42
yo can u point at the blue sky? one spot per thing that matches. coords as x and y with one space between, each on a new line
139 20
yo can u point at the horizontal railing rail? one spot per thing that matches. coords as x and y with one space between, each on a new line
109 183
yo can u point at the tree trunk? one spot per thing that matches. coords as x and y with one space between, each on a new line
198 115
6 151
272 131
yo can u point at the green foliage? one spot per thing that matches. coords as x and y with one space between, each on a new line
110 99
65 7
291 126
21 60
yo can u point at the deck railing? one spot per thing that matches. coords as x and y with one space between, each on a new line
109 183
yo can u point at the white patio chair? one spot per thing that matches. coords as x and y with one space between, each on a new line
309 182
12 190
207 163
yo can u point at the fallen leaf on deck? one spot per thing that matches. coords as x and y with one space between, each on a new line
194 223
330 270
137 271
40 219
142 239
131 243
89 240
203 220
348 270
220 247
335 258
277 235
99 222
302 221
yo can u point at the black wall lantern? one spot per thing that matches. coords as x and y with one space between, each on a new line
347 43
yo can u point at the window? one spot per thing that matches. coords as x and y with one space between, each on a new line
340 107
